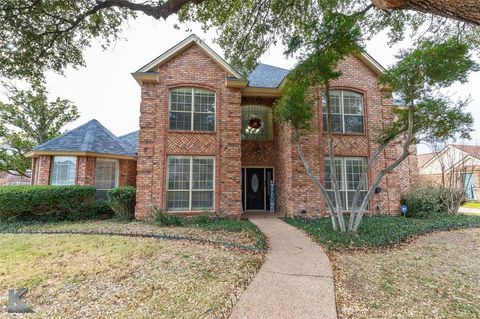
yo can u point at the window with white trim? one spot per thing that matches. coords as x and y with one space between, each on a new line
106 173
64 170
192 109
347 112
190 183
349 173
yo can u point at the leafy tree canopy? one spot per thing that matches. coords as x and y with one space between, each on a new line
28 120
418 80
36 36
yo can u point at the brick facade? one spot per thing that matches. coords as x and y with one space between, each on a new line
296 194
41 166
191 68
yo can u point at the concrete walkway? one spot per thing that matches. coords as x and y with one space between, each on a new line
294 282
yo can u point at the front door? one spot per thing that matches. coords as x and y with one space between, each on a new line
256 188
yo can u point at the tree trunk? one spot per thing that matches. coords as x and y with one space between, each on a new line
463 10
405 153
333 167
315 181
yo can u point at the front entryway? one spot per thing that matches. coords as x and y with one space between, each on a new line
256 188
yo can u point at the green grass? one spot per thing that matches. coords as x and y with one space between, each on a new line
230 225
471 205
381 231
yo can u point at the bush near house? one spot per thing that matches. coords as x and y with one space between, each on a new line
122 202
47 202
428 201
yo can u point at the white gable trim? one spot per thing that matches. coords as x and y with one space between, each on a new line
167 55
371 63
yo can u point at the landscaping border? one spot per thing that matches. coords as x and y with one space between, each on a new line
227 244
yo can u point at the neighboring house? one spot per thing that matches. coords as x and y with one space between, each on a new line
208 140
454 166
7 179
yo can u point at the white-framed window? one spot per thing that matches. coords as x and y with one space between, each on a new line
190 183
192 109
347 112
64 170
106 173
349 172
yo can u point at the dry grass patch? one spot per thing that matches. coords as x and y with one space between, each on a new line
436 276
244 238
88 276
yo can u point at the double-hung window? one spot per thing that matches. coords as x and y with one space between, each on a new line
349 173
190 183
106 173
347 112
192 109
64 170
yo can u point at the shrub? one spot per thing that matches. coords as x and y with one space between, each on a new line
163 218
122 202
102 209
46 202
425 202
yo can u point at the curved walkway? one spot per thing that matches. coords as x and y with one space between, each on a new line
294 282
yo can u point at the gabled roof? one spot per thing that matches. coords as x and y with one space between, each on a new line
422 159
91 137
267 76
187 42
473 150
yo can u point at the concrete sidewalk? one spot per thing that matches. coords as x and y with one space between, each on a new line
294 282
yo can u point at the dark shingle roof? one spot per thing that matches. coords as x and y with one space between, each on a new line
266 76
89 137
131 139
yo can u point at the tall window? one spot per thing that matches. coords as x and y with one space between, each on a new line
192 109
64 170
106 173
349 172
190 183
346 112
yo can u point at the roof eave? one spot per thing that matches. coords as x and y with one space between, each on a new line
36 153
145 77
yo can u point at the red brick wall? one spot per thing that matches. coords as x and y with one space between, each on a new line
128 173
192 67
296 192
85 171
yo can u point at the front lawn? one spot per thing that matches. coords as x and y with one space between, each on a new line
471 205
435 276
92 276
241 232
378 231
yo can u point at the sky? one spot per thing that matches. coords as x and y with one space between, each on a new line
106 91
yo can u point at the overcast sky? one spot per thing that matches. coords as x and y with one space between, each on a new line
106 91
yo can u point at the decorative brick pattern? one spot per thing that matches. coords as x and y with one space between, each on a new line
192 67
191 143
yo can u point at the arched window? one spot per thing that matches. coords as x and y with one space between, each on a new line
192 109
347 112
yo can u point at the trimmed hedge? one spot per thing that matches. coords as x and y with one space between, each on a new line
122 202
428 201
47 202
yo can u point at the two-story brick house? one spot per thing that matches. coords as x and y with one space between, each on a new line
208 140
